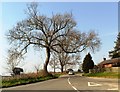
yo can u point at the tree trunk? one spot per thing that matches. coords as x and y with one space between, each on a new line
65 67
61 68
47 61
54 70
54 66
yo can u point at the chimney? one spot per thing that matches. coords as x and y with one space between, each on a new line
104 59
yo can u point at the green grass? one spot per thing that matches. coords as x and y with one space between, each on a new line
25 79
104 75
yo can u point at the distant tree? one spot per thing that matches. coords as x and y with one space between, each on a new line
87 63
13 60
68 60
116 52
54 63
75 42
65 59
80 66
37 68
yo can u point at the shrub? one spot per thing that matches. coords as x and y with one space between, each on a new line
26 78
87 63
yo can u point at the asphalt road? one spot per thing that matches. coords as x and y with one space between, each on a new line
72 83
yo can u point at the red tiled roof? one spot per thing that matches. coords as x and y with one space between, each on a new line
110 61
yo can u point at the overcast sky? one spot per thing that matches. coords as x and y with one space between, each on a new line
99 16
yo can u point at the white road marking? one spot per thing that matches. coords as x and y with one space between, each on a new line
72 85
93 84
69 81
113 89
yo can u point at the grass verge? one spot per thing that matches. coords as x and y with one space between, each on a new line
103 74
25 79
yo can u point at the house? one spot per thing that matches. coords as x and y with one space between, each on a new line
110 63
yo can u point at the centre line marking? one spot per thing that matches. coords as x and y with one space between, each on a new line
72 85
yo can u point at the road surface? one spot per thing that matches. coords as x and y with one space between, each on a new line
70 83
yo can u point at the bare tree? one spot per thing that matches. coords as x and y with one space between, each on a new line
54 63
13 60
37 68
74 60
63 60
75 42
43 32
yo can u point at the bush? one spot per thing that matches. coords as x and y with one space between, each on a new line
103 74
26 79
